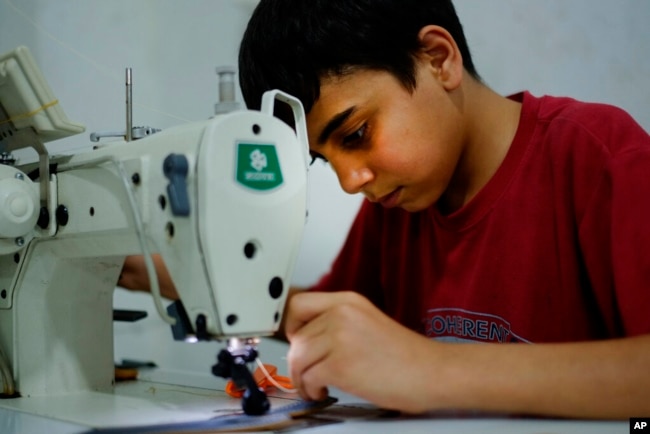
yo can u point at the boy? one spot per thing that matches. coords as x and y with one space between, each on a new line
488 219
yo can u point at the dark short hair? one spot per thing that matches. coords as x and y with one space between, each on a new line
291 44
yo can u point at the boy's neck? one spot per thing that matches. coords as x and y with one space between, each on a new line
491 122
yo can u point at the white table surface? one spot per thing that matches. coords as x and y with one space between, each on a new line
158 397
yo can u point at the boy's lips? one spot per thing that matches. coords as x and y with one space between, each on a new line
390 200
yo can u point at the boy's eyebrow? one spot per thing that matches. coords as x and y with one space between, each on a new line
334 123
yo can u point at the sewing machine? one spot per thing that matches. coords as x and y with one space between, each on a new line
223 201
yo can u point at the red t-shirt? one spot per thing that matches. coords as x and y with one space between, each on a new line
555 247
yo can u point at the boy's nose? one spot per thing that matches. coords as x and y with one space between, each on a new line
353 176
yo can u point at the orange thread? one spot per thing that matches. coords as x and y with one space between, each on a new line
262 381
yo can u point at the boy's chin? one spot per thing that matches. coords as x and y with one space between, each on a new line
415 206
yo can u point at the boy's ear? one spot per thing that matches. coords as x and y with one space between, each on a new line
438 50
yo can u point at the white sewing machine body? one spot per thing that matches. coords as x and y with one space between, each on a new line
223 201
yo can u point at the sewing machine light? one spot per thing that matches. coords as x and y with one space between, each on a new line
29 103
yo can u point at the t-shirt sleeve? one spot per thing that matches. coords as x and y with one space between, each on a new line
615 229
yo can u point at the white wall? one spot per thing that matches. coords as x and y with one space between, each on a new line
596 50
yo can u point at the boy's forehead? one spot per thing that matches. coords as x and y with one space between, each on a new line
339 92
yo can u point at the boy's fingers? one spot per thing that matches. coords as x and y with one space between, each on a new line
305 306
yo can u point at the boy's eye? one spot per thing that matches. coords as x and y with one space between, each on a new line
355 137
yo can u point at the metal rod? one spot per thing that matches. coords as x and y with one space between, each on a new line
129 107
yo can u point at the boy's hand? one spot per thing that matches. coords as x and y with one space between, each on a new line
341 340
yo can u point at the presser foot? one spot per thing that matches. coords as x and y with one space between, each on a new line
232 364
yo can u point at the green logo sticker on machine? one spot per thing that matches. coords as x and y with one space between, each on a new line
258 166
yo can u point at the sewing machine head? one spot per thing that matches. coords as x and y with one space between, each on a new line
223 201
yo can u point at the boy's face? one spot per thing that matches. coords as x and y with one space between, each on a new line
397 147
